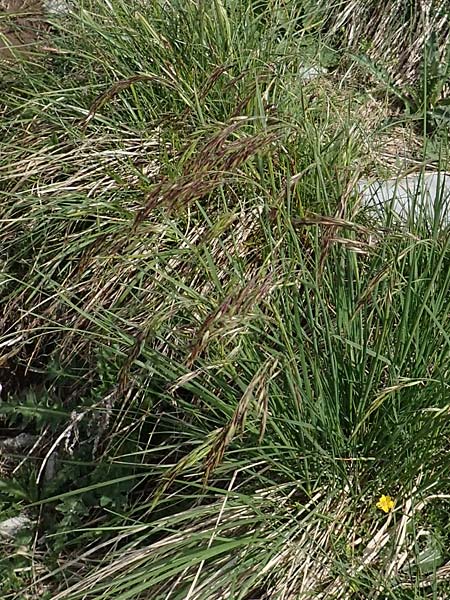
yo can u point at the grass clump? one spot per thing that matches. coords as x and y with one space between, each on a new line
220 361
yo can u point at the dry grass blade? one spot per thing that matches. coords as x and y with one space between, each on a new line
398 33
95 166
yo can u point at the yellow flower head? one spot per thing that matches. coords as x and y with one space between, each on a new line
385 503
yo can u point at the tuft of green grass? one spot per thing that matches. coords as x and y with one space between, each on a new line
225 361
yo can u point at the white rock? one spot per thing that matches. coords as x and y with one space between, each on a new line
57 7
309 73
19 442
425 195
11 527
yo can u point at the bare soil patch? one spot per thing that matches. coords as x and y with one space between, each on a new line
22 26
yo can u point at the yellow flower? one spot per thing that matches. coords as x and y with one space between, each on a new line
385 503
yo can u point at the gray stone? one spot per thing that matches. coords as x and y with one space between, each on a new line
309 73
11 527
17 443
422 196
57 7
